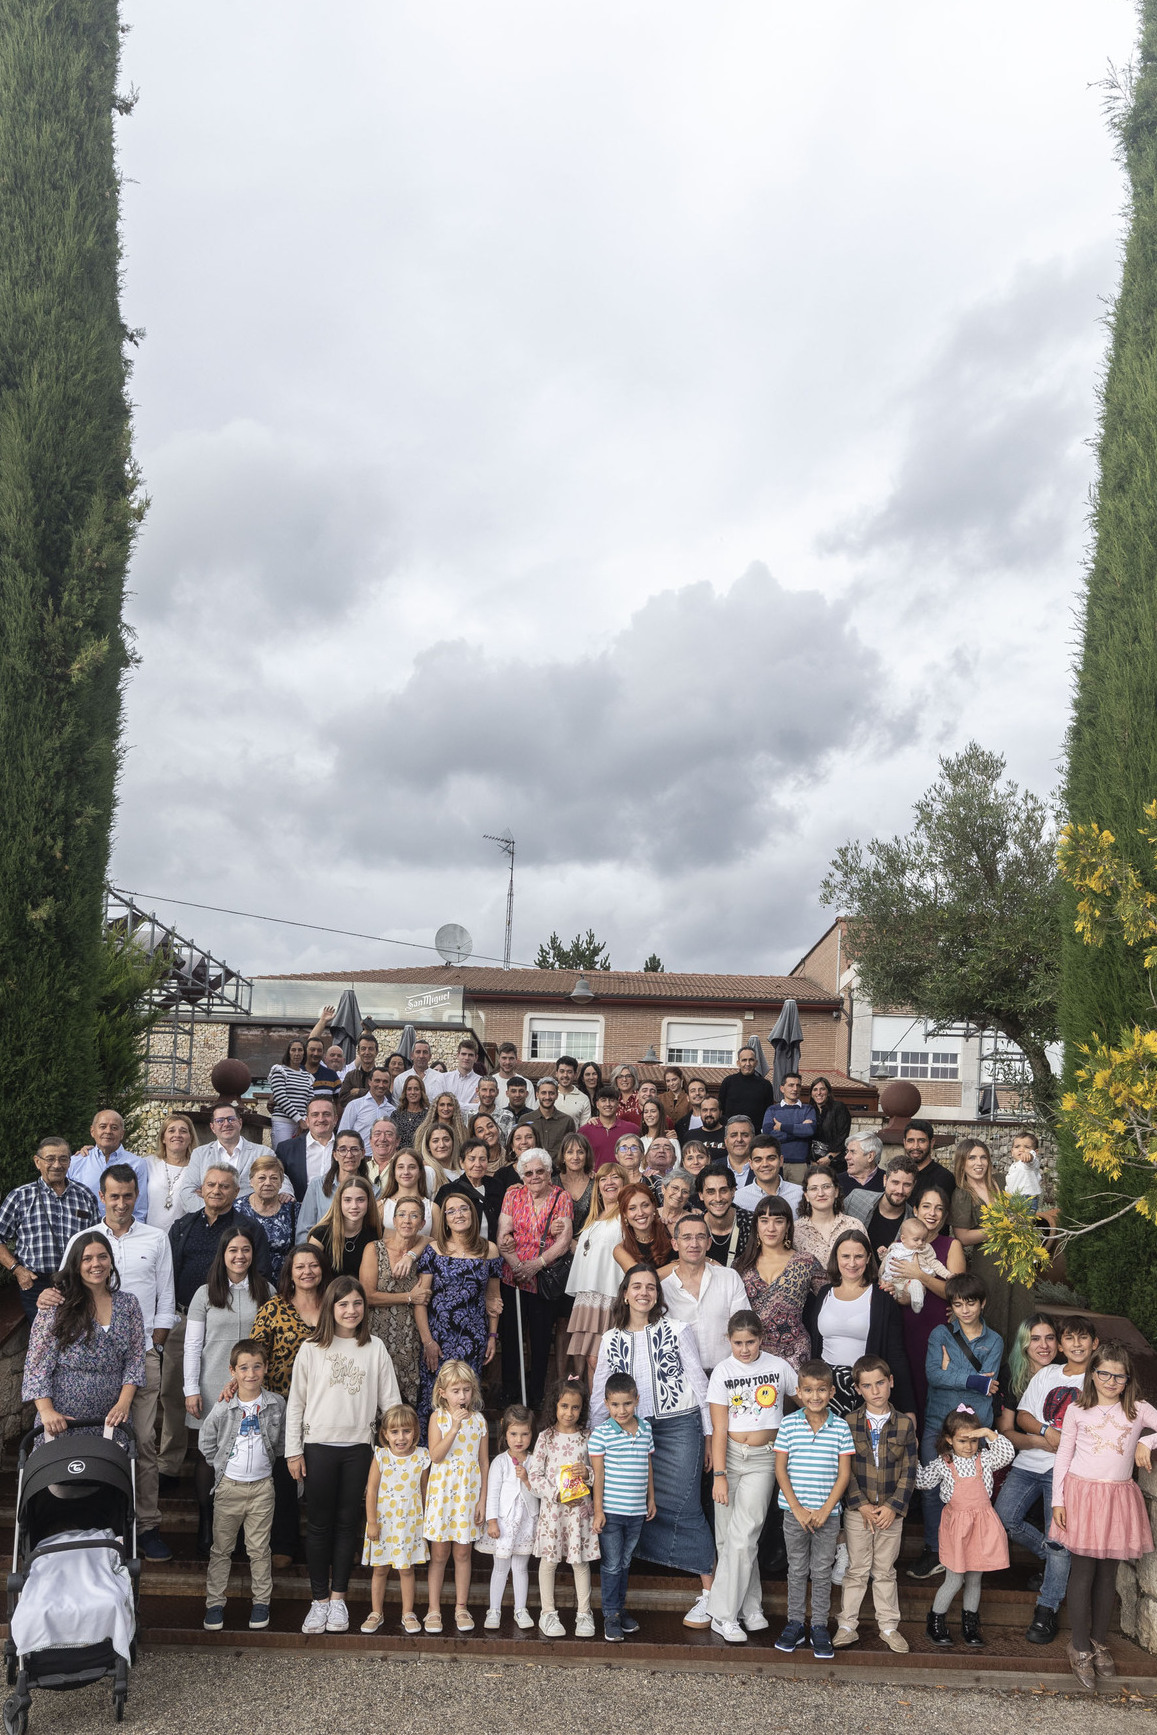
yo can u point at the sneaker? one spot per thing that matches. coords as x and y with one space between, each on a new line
729 1630
697 1615
756 1622
550 1626
927 1566
846 1636
612 1631
258 1616
337 1617
822 1644
524 1619
493 1620
840 1566
628 1623
1044 1626
584 1626
895 1641
214 1618
152 1546
792 1637
315 1620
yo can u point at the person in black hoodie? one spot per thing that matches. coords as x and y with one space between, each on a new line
745 1092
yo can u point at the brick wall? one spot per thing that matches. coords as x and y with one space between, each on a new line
826 960
628 1031
998 1136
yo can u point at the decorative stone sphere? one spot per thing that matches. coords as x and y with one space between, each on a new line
231 1078
900 1101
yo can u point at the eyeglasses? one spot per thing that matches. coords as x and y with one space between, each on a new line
1104 1374
225 1120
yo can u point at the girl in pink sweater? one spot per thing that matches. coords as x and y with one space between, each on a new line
1098 1510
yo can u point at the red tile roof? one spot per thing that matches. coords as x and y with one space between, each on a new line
607 984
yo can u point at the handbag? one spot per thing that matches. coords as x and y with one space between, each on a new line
553 1277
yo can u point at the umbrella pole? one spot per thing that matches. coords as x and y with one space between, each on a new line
521 1352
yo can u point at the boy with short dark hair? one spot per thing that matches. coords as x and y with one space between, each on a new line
241 1436
813 1459
881 1483
624 1497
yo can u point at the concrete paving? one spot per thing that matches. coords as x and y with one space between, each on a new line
235 1692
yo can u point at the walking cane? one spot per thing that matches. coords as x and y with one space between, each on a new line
521 1355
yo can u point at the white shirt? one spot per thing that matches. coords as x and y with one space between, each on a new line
465 1089
844 1328
249 1461
360 1115
747 1198
317 1158
215 1155
1043 1399
165 1183
425 1079
577 1104
144 1259
721 1293
752 1390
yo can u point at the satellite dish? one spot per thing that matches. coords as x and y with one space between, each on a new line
453 943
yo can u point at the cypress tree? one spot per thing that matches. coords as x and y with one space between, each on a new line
68 511
1112 748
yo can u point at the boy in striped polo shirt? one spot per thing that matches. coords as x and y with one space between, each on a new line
813 1462
624 1497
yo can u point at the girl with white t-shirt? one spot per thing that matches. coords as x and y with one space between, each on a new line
746 1392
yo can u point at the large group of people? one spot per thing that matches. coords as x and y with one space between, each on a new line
720 1331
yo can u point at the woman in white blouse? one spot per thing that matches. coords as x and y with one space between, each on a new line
662 1357
175 1145
594 1279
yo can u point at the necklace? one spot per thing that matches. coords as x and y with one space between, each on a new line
171 1180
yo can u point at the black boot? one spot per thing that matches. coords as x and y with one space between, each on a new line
1044 1626
970 1626
937 1629
205 1532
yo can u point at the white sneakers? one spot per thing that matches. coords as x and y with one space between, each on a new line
337 1618
584 1626
550 1625
493 1620
755 1623
697 1615
315 1621
729 1630
524 1619
841 1564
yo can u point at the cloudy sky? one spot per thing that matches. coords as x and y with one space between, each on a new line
657 429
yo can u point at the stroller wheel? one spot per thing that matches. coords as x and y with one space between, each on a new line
15 1718
118 1707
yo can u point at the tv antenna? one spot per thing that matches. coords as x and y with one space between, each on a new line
453 943
506 845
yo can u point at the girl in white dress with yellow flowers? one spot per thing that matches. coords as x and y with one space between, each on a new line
395 1502
456 1496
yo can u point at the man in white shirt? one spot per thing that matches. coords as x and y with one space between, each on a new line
419 1068
737 1136
227 1146
766 1160
144 1260
87 1166
363 1111
701 1293
506 1069
463 1083
570 1099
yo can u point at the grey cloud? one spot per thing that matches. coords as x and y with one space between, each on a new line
994 455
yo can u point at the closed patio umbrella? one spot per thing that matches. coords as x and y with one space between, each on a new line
786 1039
346 1024
760 1057
406 1041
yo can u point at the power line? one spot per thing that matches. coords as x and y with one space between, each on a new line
315 927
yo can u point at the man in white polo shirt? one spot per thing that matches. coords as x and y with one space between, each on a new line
144 1261
361 1113
701 1293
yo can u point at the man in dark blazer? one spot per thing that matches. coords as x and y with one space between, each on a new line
311 1152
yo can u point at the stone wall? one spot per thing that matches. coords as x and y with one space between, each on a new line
15 1415
997 1135
1137 1579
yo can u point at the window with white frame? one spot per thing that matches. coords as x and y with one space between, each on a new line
700 1043
548 1038
904 1048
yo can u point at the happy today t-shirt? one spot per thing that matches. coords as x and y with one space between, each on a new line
753 1391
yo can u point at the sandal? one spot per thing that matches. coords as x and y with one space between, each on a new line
373 1621
411 1624
433 1623
463 1620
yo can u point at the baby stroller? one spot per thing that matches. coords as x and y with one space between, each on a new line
75 1581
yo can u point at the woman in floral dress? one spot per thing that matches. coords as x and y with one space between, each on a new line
779 1280
457 1312
394 1287
86 1357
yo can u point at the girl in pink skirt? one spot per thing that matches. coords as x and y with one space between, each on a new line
972 1538
1098 1510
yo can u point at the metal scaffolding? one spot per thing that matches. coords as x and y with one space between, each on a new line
194 987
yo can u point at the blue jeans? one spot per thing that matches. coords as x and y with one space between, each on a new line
933 1505
1020 1490
617 1541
